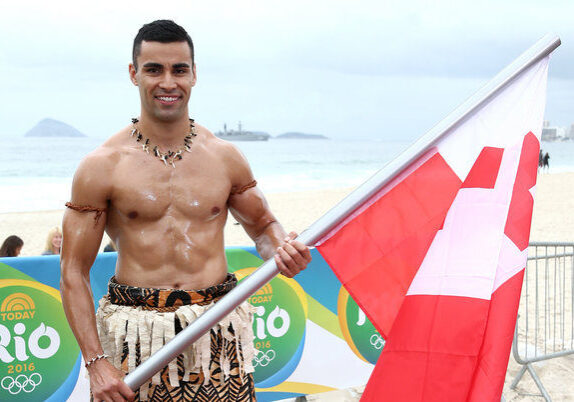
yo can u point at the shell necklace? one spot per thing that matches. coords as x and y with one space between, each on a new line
168 157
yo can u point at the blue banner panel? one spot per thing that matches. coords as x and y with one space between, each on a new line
310 334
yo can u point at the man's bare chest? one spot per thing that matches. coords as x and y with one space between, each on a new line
149 190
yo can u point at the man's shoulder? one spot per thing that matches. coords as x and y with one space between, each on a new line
218 146
100 158
105 156
230 156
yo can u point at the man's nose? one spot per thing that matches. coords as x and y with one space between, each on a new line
168 81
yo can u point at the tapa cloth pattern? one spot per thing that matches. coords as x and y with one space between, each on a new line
134 323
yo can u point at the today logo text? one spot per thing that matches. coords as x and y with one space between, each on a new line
17 315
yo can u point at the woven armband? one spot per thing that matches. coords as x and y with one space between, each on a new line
241 190
87 208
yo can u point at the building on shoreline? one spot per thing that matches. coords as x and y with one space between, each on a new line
555 133
241 135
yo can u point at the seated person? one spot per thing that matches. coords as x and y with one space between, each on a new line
53 242
11 246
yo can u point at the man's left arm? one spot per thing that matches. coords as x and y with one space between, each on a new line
252 211
248 205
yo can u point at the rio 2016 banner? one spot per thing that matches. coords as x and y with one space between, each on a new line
311 335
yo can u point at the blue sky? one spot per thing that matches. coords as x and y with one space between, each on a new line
345 69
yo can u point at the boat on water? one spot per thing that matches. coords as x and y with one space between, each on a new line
240 135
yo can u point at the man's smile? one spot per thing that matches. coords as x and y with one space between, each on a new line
167 99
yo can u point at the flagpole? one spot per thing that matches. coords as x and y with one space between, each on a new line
341 211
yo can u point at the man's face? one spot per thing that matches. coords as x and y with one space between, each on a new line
165 76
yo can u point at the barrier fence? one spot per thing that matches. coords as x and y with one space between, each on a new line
545 324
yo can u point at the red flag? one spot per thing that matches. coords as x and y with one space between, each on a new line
436 258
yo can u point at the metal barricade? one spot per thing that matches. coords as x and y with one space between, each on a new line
545 324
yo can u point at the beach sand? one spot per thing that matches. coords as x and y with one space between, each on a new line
553 220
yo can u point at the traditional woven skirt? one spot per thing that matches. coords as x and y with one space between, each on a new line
134 323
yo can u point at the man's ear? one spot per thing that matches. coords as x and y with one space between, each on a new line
132 70
194 71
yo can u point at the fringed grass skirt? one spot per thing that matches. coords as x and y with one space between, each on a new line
134 323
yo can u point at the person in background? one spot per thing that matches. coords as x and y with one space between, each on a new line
53 242
11 246
545 162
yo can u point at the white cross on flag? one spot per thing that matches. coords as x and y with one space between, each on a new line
436 258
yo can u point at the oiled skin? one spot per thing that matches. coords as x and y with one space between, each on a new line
166 222
168 227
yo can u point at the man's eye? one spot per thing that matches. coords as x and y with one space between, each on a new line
181 71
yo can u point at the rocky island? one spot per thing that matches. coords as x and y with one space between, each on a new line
53 128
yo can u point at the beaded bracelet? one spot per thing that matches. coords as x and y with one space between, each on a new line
95 359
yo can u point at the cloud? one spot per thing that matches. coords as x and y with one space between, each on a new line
319 66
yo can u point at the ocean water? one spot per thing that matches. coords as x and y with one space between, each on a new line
36 174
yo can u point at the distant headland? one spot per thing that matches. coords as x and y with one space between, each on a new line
243 135
53 128
295 135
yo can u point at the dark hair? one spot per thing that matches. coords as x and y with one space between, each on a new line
163 31
10 245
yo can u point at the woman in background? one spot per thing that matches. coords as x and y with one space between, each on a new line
11 246
53 242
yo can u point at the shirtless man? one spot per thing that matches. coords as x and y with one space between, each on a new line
166 213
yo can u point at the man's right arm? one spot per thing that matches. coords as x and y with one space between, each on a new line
83 231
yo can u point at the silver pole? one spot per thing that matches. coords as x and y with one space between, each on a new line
323 225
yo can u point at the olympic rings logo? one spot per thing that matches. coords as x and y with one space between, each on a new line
21 383
264 358
377 341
